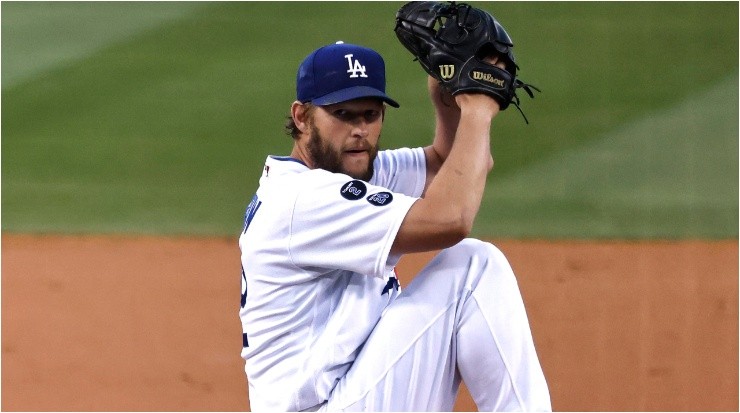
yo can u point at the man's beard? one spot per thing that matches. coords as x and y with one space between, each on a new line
325 157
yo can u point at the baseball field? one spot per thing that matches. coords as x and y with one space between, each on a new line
133 135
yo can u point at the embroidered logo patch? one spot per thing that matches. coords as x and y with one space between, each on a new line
353 190
355 68
380 199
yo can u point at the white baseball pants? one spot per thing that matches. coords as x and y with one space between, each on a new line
462 317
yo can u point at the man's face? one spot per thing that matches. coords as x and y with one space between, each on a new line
344 137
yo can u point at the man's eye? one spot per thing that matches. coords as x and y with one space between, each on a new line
343 114
371 115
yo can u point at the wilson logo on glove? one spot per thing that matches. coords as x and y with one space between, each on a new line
446 71
487 77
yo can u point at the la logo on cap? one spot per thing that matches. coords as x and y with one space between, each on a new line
355 67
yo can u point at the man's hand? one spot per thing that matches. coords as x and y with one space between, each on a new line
483 102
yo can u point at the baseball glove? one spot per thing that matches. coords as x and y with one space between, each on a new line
451 42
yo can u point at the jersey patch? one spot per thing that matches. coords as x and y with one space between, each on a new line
380 199
353 190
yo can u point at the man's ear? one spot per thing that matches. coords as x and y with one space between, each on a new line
299 113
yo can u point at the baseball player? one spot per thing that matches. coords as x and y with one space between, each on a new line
326 325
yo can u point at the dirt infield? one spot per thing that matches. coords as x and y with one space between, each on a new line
151 324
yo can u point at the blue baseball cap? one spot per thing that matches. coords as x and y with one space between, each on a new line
340 72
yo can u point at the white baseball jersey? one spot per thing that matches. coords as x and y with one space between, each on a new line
317 272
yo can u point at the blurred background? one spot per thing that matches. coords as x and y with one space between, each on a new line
156 117
617 204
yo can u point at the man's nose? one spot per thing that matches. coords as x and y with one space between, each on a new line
360 127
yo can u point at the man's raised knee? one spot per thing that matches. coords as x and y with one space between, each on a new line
473 246
484 251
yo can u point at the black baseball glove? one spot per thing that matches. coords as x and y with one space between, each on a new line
451 42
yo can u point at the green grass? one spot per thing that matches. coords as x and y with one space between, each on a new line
41 35
672 172
156 117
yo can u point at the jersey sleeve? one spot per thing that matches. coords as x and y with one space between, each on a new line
401 170
343 223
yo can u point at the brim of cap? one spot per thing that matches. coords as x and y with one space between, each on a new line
352 93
